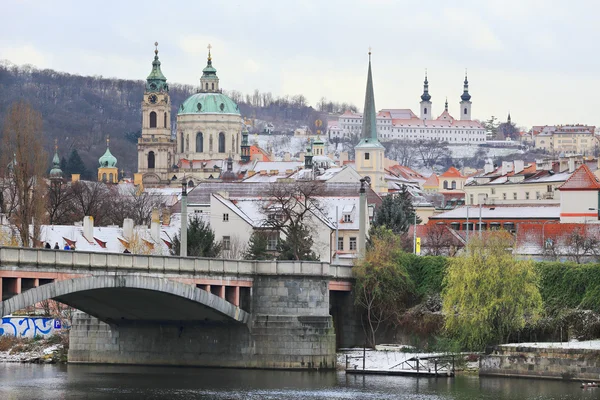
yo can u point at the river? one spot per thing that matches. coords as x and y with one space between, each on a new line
32 381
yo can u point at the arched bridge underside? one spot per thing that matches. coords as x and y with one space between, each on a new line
131 298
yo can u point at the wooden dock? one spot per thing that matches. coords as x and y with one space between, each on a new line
433 365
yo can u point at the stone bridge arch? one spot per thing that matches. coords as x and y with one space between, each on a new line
119 299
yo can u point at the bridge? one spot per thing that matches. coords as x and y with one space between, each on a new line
139 309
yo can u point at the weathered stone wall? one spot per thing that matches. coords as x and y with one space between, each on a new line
282 342
290 295
346 317
533 362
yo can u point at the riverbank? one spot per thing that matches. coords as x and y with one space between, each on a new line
49 350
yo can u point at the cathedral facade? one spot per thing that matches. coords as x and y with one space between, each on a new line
208 131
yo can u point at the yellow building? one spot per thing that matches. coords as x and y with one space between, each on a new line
579 139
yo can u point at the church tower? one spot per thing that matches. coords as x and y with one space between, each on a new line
245 148
209 82
465 103
369 153
426 101
107 168
155 146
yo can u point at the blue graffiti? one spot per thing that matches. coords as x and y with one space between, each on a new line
29 326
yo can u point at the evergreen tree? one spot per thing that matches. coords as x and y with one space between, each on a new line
200 240
64 169
396 212
76 166
257 247
297 245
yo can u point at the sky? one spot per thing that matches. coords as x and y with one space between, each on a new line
536 59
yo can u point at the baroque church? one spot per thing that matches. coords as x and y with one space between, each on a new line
209 136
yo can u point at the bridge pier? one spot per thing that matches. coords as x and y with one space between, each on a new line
290 328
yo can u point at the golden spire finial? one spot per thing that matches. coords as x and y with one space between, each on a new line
156 48
55 145
209 47
107 141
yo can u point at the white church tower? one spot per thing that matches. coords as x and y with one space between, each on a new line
465 101
426 113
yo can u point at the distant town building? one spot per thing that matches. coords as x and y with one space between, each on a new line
580 139
403 124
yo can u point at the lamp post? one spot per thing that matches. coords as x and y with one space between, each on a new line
415 235
184 220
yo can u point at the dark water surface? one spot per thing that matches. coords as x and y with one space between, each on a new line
29 381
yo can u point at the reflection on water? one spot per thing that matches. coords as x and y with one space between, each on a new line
29 381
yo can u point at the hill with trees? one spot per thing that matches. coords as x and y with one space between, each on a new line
81 111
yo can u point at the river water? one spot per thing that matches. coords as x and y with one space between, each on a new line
31 381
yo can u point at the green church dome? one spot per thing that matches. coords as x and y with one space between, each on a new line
55 172
208 103
107 160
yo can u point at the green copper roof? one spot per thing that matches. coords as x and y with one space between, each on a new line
369 127
156 81
56 172
209 71
208 103
107 160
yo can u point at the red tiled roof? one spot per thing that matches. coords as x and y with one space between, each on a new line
432 181
452 173
582 179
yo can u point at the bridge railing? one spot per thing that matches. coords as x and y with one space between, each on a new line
77 260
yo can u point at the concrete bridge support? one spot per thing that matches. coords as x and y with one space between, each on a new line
290 328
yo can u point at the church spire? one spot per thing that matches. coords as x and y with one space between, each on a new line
466 96
426 96
209 82
369 127
156 81
446 105
56 172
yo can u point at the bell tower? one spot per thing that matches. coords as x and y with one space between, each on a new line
156 147
465 101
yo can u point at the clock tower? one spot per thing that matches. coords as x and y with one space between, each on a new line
156 148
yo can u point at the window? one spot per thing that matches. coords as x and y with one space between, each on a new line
352 243
538 195
181 141
341 243
213 86
549 188
470 199
226 242
225 217
221 142
151 160
199 142
503 196
493 190
514 196
347 218
425 111
445 184
453 184
465 111
367 156
272 242
152 119
526 195
165 121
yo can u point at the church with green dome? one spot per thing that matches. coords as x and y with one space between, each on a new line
208 130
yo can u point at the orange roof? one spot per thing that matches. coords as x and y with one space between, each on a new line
432 181
405 172
582 179
452 173
254 149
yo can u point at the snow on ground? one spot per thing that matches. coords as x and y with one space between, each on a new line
465 151
587 344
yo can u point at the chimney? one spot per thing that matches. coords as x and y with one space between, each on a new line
128 229
571 164
507 167
155 226
488 167
287 156
166 216
519 166
88 228
137 178
301 156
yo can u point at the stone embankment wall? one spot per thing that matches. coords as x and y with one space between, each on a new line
535 362
290 328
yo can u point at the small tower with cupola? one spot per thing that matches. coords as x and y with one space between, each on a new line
155 146
465 101
426 100
107 168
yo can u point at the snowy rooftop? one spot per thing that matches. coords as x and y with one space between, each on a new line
502 212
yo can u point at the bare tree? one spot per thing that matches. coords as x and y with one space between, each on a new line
58 203
402 151
91 199
22 150
438 241
580 245
431 151
236 249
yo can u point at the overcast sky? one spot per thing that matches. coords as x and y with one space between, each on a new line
537 59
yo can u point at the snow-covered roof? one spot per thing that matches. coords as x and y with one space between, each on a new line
502 212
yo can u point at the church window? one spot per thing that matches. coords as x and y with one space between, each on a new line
104 177
465 111
152 119
206 85
367 156
181 141
110 177
199 142
453 184
151 159
187 143
221 142
213 86
445 184
165 121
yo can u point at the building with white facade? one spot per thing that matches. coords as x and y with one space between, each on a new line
403 124
576 138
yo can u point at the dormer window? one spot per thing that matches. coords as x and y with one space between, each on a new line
347 218
347 213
